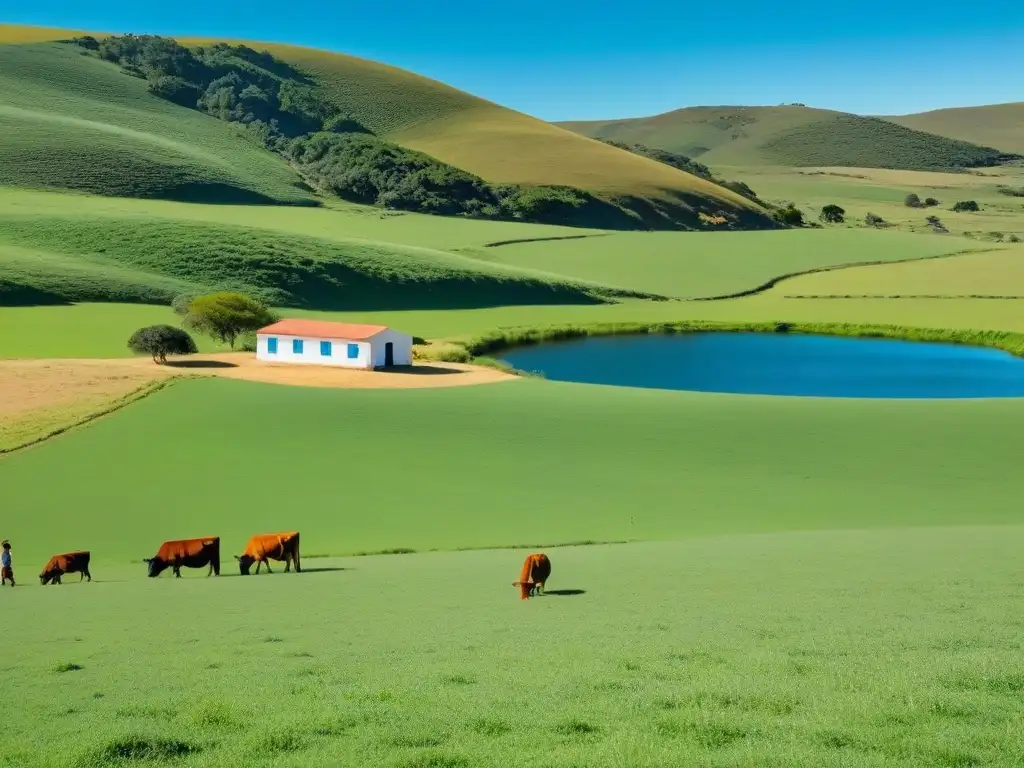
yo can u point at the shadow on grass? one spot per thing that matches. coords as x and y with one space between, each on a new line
325 569
200 364
563 592
420 369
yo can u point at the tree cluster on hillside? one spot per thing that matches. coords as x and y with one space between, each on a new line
1003 189
366 169
687 164
286 111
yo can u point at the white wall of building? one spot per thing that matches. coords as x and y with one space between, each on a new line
402 347
370 354
311 355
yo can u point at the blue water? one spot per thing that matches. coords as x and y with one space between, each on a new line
779 364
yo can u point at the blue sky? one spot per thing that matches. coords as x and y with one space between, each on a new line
567 59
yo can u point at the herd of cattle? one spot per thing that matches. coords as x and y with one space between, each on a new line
261 549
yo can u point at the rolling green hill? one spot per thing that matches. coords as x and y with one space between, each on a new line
62 259
74 122
790 136
996 125
109 130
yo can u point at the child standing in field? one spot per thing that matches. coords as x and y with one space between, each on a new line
6 564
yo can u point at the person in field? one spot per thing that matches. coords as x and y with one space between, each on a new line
6 564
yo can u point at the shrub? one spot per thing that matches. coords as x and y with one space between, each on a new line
912 201
935 223
789 215
1013 239
874 220
930 202
161 341
1002 189
966 206
225 316
833 214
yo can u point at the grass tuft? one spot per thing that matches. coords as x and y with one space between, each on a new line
133 749
67 667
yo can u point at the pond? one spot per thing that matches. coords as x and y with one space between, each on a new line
778 364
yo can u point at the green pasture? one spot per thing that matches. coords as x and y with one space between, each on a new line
866 190
514 463
715 264
70 121
883 649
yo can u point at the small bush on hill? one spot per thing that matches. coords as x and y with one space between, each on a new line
790 215
912 200
180 303
936 224
833 214
161 341
874 220
225 316
966 206
1013 239
1002 189
930 202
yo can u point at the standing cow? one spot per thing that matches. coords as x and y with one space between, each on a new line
264 547
533 577
187 553
58 565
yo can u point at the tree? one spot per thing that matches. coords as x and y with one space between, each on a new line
225 316
912 201
833 214
874 220
790 215
161 341
930 202
966 206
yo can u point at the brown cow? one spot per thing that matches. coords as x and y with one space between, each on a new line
533 577
264 547
58 565
188 553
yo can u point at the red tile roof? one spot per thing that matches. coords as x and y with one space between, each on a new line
321 329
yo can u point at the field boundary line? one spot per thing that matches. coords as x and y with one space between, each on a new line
835 267
112 407
499 243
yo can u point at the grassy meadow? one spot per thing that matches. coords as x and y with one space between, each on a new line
721 651
738 581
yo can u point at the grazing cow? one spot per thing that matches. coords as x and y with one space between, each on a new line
264 547
535 573
58 565
188 553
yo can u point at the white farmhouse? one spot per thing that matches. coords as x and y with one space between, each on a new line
314 342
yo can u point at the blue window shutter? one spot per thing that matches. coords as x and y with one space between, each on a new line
353 351
296 346
325 349
272 345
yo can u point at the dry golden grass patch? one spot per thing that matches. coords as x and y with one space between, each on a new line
40 398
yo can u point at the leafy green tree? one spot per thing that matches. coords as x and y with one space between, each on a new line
912 200
966 206
161 341
225 316
789 215
833 214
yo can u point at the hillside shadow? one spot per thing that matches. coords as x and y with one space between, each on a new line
200 364
564 592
